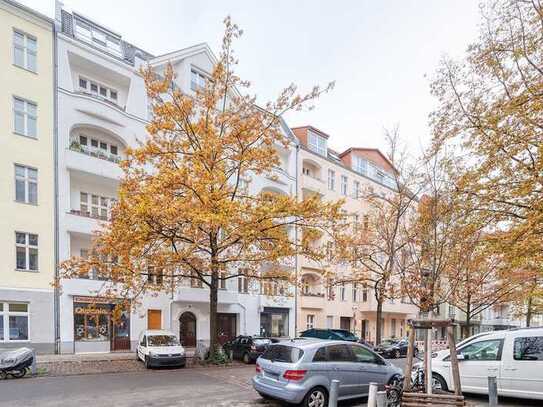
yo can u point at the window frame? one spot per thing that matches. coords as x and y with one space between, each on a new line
99 86
201 79
518 338
344 185
5 313
25 49
331 180
498 356
26 115
317 143
360 165
27 246
310 321
27 181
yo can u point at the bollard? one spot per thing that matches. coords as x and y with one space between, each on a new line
381 399
372 395
33 369
334 391
492 391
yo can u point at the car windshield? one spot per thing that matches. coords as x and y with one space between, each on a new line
162 340
346 335
282 353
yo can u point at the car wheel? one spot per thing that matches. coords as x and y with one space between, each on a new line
147 362
397 354
246 358
18 373
316 397
439 383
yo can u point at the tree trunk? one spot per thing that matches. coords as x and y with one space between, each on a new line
213 300
378 321
529 311
467 326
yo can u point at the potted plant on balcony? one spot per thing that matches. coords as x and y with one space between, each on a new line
76 146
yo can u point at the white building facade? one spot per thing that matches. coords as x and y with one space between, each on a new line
102 110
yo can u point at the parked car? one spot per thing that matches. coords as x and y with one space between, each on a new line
394 348
160 348
247 348
300 371
515 357
332 334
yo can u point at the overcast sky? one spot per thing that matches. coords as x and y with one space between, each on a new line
380 53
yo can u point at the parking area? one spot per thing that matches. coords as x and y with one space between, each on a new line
218 386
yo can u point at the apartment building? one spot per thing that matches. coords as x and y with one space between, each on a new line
333 176
103 109
26 178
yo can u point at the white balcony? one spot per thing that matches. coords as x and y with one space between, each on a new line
78 161
313 185
312 300
86 225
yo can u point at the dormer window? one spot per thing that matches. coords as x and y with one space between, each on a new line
360 165
316 143
94 35
197 80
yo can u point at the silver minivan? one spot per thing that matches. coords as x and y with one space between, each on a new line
300 371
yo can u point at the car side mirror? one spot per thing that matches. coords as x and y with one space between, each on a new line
460 356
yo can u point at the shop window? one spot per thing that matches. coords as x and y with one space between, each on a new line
274 322
91 322
13 322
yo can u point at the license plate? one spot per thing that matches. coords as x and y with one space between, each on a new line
272 375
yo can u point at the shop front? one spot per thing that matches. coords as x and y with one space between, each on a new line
274 322
95 327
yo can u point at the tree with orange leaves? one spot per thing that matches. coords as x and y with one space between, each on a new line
183 211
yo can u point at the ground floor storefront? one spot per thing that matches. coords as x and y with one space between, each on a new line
27 319
93 324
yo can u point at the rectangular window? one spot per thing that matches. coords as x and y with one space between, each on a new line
114 150
83 83
342 292
243 284
355 292
331 180
26 184
356 189
528 348
14 317
393 328
344 185
316 143
26 248
360 165
25 117
222 280
98 89
310 321
365 294
197 80
99 207
25 49
330 287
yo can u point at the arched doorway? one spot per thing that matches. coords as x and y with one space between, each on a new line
187 329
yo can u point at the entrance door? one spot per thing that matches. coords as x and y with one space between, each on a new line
187 329
345 323
227 327
154 319
364 328
120 338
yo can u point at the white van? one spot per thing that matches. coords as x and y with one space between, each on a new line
160 348
515 357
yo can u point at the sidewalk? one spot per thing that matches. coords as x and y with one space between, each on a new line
93 363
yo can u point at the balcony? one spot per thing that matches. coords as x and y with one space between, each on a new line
94 152
80 161
313 185
81 224
312 300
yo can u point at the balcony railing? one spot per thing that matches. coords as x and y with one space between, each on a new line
87 214
103 99
305 294
94 152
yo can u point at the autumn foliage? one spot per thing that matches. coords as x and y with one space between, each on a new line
187 211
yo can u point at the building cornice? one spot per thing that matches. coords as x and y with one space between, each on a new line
27 13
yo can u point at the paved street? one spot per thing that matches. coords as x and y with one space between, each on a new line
156 388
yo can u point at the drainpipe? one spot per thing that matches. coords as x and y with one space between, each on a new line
296 257
56 294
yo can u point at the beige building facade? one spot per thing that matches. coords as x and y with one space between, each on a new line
26 178
335 176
